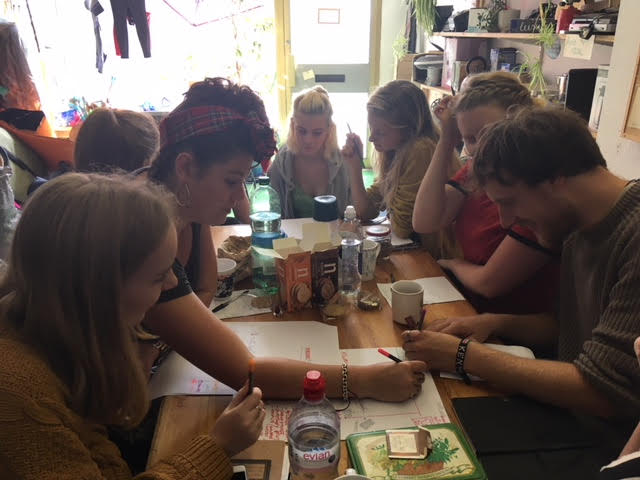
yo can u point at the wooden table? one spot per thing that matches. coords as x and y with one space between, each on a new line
183 417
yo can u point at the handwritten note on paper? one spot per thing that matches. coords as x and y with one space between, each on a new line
308 341
576 47
367 415
436 290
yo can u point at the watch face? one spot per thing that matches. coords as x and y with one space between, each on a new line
476 65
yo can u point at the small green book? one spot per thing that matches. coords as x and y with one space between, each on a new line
451 458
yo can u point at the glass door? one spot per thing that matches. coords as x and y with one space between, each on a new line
330 45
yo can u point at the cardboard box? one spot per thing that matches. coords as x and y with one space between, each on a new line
294 269
324 275
294 276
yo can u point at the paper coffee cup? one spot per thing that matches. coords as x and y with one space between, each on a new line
226 270
406 302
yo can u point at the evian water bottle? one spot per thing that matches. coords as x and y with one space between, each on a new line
314 433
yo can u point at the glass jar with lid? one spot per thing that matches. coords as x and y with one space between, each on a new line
382 235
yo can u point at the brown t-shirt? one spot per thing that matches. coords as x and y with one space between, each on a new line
599 305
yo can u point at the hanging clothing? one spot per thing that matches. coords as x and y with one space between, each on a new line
135 9
96 9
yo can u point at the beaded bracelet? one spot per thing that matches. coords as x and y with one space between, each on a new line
345 382
460 356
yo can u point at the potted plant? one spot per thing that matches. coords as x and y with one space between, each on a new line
426 14
531 68
488 20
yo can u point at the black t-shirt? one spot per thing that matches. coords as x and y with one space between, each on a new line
189 275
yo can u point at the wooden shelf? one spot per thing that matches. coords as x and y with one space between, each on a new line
521 37
442 90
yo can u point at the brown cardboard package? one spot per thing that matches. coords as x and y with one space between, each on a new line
324 274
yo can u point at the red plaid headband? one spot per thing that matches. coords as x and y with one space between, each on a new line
198 121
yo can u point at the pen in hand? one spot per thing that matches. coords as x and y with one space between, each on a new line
423 313
388 355
252 369
358 152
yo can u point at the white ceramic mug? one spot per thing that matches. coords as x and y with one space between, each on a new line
226 270
406 302
370 251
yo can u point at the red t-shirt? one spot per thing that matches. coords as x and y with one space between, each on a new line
479 233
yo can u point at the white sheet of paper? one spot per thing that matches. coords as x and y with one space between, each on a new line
516 350
314 233
576 47
367 415
397 241
436 290
238 308
293 226
308 341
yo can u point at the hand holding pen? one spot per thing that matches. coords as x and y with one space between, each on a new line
353 148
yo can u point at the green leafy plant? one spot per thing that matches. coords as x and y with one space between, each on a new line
400 46
531 69
547 36
426 14
488 20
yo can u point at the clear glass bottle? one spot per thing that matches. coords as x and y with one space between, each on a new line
265 215
382 235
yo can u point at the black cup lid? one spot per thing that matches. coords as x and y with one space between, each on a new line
325 208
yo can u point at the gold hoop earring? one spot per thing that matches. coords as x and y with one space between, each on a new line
187 196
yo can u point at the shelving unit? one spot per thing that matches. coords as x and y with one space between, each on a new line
521 37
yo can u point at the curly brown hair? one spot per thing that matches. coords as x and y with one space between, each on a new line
216 147
533 145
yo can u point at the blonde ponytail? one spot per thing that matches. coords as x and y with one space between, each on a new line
314 101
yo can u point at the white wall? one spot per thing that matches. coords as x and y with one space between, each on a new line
394 15
623 156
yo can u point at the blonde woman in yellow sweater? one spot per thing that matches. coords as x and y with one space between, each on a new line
91 255
404 136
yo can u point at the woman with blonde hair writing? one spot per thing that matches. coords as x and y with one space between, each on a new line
405 138
310 163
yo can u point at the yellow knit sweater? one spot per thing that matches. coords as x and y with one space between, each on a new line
404 197
42 438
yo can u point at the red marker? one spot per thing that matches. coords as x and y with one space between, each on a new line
388 355
252 369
